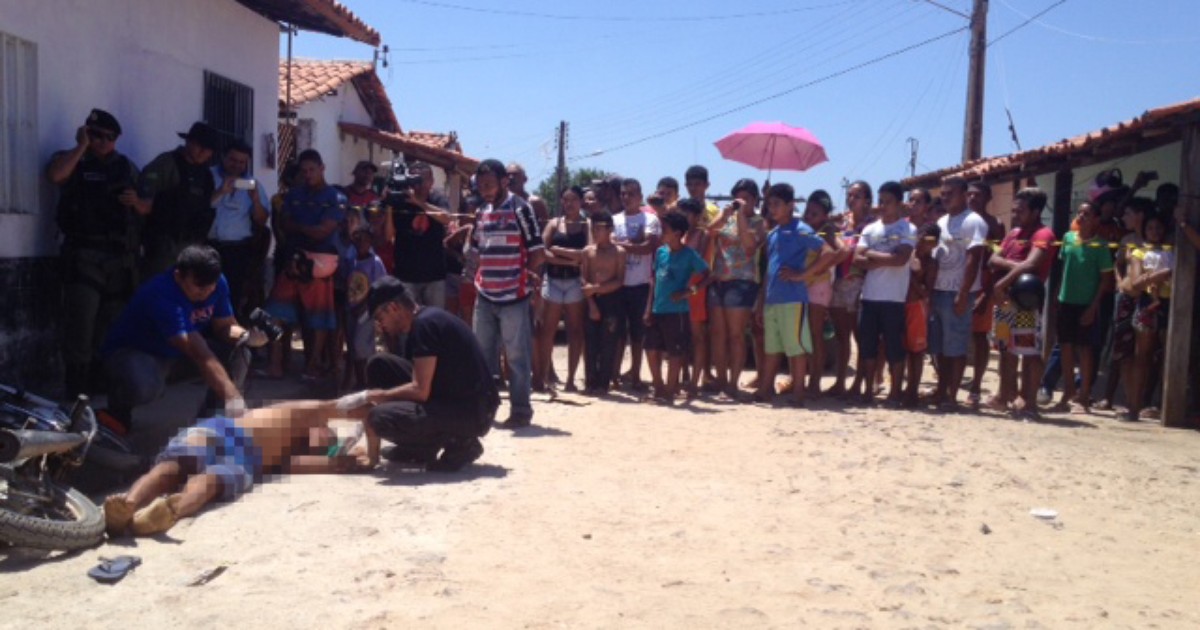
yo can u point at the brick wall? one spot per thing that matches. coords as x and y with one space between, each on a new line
30 295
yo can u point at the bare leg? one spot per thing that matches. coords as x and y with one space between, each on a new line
843 326
656 375
916 365
717 327
674 367
817 316
979 361
736 320
799 365
699 356
766 378
319 338
545 346
575 315
199 491
635 358
1067 354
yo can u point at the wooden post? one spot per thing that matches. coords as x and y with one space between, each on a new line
1176 375
1063 181
973 121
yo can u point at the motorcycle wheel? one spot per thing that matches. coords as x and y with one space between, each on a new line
75 522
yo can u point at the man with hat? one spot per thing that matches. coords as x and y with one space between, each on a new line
510 253
437 398
175 193
101 237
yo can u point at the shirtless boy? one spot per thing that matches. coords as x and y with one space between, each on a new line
603 271
221 458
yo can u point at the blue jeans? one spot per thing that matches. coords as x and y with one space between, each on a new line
512 325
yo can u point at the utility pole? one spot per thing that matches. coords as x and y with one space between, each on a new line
973 126
913 145
561 172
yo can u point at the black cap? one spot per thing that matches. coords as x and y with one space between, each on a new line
493 166
365 164
385 289
103 120
202 134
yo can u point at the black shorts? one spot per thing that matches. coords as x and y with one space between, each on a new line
1070 330
633 308
670 333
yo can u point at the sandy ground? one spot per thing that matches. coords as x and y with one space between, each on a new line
621 514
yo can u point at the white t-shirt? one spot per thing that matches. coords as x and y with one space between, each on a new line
635 230
964 231
887 284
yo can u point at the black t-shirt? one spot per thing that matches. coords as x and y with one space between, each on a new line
420 256
462 374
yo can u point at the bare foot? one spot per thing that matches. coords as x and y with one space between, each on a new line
118 514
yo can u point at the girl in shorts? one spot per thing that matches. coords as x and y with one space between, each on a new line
562 290
820 292
847 288
1150 274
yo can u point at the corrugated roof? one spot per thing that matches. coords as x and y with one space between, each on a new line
1152 129
312 80
322 16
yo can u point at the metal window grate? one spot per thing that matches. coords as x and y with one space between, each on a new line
18 126
229 107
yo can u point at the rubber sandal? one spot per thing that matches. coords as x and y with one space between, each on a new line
112 570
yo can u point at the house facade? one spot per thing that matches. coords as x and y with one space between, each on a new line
341 109
158 66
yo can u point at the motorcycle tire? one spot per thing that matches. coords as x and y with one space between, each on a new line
85 530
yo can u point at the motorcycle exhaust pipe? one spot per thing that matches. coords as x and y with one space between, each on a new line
18 445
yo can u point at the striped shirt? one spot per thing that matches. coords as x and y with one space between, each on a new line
505 236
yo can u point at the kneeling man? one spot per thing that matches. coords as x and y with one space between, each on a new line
439 397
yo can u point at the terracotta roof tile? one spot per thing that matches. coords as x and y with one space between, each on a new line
416 148
437 140
1153 126
322 16
313 79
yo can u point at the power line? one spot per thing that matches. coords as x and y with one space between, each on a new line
1097 38
776 95
743 76
618 18
1027 22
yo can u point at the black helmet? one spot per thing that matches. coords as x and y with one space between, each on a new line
1029 292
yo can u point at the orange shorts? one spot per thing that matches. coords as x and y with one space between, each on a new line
981 321
291 299
916 323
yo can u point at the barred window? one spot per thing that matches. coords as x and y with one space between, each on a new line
18 125
229 107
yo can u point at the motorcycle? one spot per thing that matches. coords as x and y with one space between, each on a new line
41 443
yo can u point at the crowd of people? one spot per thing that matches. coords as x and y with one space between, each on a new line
176 260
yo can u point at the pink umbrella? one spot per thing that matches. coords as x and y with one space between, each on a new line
772 145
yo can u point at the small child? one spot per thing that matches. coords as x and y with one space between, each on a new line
916 339
668 323
363 267
697 239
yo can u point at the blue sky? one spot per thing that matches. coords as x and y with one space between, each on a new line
503 74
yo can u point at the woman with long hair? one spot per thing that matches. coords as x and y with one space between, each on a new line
820 293
562 291
738 234
847 288
1150 276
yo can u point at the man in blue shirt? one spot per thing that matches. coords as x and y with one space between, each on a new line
309 221
166 320
784 300
241 209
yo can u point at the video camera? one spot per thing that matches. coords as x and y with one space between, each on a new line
401 178
260 320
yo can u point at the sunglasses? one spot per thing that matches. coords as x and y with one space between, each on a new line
96 134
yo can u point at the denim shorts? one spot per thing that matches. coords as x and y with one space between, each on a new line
217 446
733 294
949 332
563 290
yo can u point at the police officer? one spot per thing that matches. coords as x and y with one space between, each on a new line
101 236
175 191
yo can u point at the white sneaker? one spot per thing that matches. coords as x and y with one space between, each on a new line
1043 397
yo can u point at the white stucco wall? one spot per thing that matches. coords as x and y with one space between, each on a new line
144 61
339 156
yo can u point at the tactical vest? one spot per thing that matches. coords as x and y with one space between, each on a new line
89 213
183 213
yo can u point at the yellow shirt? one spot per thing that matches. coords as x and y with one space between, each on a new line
1153 259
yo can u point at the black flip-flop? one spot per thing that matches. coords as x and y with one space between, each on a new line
111 570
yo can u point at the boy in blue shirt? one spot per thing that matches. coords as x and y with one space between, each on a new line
784 300
668 324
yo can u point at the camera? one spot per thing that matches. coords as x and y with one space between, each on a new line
401 179
260 320
303 267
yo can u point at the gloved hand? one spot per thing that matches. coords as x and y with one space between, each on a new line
235 407
352 401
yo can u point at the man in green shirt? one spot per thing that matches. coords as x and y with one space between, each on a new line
1087 278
